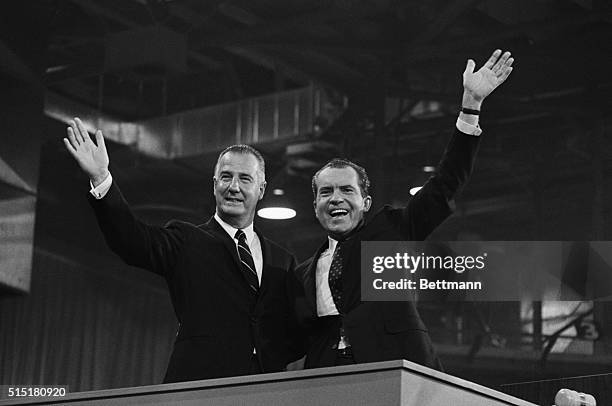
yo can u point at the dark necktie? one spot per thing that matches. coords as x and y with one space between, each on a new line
246 259
335 277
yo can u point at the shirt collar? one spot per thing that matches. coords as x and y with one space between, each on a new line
332 244
231 230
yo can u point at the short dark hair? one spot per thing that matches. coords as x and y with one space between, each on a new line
362 175
244 149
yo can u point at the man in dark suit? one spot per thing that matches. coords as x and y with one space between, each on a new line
343 329
226 280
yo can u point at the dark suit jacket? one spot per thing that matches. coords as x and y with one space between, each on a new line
221 319
379 331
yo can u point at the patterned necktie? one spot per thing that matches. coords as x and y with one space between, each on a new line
246 259
335 277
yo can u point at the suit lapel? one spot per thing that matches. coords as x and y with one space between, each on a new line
310 278
228 242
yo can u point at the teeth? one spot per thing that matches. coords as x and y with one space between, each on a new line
338 212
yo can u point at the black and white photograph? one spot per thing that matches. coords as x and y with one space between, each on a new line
306 202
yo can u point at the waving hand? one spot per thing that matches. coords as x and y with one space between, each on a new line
91 157
493 73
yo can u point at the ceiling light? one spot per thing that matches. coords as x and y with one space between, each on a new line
276 206
276 213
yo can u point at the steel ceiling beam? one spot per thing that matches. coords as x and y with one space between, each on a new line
455 9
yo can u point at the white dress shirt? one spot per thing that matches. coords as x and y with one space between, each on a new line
471 129
252 241
325 300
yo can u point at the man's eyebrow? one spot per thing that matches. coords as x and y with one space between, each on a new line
236 172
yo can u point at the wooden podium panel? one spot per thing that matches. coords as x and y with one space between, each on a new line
380 383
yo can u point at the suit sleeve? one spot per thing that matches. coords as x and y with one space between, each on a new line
150 247
434 202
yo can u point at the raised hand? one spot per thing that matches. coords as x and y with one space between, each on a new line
478 85
92 158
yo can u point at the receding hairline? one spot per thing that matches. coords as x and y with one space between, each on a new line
243 150
340 164
317 173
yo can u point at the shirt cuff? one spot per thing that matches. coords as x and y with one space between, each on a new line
103 188
468 128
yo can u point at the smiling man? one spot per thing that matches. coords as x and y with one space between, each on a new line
228 283
340 189
343 329
239 183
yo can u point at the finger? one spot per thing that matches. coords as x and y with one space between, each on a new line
469 67
489 64
501 61
69 147
505 67
100 140
76 133
505 75
83 132
72 138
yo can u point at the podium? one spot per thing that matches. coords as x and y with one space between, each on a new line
380 383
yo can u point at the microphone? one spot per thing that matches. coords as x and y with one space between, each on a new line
568 397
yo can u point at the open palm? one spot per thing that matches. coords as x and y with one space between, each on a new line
91 157
492 74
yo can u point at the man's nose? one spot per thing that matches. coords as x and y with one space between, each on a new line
336 197
235 184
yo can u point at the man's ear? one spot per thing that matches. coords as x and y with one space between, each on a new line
262 189
214 183
367 203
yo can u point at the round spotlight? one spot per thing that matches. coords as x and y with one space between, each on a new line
414 190
276 213
429 169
